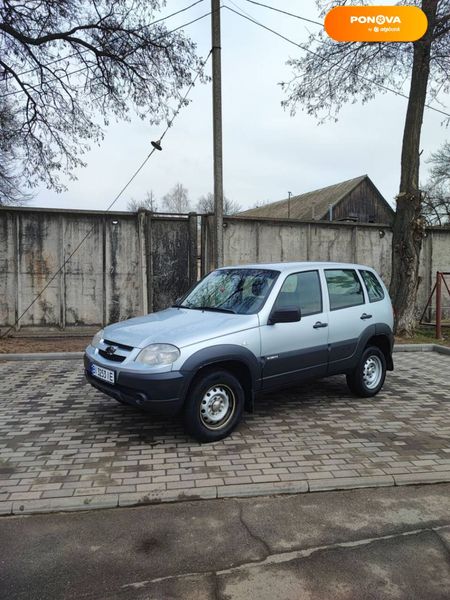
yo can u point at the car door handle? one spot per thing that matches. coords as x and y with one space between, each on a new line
319 324
366 316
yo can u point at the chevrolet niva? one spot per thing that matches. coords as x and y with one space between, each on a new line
245 329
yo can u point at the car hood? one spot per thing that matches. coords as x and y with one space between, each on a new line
177 326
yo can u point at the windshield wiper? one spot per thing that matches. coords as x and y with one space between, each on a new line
214 309
179 306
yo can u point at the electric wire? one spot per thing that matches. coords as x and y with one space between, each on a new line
285 12
112 203
308 50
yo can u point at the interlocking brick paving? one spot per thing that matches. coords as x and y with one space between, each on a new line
64 444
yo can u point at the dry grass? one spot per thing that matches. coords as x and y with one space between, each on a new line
426 335
50 344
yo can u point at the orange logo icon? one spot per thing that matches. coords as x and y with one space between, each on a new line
376 23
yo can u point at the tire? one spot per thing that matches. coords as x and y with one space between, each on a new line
214 406
368 377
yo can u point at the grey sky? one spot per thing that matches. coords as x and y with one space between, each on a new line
266 151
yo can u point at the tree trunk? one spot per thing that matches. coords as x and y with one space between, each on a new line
408 227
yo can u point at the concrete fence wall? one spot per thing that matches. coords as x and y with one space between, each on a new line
123 264
127 264
249 240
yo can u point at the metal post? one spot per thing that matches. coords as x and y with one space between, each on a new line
289 204
438 305
217 133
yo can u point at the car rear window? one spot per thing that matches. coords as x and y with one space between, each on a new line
373 286
344 288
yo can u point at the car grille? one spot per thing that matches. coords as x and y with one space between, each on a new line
121 346
121 353
113 357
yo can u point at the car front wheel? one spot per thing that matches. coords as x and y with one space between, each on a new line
368 377
214 406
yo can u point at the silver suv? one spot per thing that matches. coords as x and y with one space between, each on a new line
245 329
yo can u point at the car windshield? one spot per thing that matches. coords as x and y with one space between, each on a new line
239 291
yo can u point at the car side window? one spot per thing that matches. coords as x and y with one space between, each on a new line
302 290
373 286
344 288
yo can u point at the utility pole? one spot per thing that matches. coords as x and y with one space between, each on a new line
217 133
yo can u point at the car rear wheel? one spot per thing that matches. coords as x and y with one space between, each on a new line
368 377
214 406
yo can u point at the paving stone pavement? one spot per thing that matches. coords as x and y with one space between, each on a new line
66 446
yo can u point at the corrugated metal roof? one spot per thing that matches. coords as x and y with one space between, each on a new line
309 206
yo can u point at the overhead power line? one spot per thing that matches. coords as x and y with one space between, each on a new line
285 12
116 198
309 51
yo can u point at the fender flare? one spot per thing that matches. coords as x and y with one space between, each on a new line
380 329
222 353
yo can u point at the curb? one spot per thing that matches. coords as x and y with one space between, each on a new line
55 505
79 355
422 348
43 356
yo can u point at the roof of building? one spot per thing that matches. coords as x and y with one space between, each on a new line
309 206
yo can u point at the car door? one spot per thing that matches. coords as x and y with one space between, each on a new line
349 316
295 351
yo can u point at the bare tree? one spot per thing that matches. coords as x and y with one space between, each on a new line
148 203
63 64
205 204
11 185
331 74
440 169
177 200
436 206
260 203
436 199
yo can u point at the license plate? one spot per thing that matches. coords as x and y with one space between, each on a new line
101 373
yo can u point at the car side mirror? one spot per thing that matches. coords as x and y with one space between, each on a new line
287 314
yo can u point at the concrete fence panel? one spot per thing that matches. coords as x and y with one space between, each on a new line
108 266
127 264
38 251
249 240
81 280
8 269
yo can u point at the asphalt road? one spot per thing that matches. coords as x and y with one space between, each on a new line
362 544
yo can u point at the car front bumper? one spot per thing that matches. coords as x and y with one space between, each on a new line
159 393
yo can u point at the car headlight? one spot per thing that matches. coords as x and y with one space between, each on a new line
158 354
97 338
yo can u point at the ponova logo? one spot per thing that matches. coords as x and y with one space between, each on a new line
379 20
376 23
